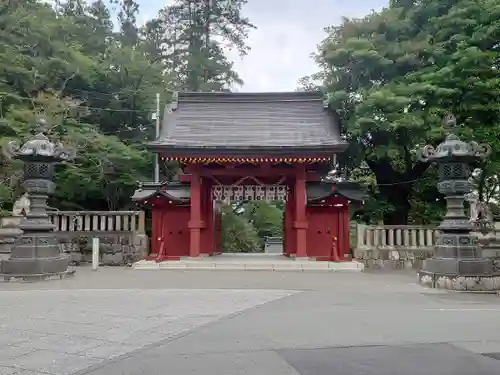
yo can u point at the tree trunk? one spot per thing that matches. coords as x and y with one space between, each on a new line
400 199
396 187
207 20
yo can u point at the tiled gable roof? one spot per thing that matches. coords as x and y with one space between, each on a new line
249 121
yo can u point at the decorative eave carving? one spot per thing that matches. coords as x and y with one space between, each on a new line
245 160
322 190
175 192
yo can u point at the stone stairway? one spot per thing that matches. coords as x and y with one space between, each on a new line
249 262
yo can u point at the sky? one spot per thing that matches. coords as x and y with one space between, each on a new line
286 35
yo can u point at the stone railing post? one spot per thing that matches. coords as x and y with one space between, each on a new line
421 237
398 236
361 236
382 236
390 234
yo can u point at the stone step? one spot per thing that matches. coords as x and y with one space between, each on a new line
262 265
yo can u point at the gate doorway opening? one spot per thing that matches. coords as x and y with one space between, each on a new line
249 226
248 213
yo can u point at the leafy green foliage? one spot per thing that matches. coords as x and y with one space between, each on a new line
96 85
95 82
196 34
245 226
266 218
238 234
393 74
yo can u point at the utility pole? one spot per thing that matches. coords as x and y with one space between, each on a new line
157 161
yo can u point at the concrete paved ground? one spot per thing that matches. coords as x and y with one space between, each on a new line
122 321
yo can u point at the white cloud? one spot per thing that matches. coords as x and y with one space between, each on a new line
277 59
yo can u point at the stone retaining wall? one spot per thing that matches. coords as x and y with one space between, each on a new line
114 249
412 258
392 259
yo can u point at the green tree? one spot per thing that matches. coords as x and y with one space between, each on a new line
196 34
105 171
464 75
266 218
58 64
96 81
128 23
392 76
238 234
366 64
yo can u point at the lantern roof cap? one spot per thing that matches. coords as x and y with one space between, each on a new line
453 149
39 148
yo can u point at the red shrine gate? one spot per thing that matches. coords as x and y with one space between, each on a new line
241 146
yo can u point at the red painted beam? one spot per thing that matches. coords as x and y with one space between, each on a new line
239 172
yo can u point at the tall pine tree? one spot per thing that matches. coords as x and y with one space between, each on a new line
196 35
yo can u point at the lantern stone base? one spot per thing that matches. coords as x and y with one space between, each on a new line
35 266
35 254
459 274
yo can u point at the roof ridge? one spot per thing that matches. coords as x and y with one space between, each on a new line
249 97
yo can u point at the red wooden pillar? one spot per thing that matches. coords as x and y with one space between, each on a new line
285 231
288 220
300 223
346 232
156 229
156 232
195 223
218 233
207 234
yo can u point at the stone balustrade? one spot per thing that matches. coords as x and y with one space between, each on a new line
391 237
99 221
399 246
394 246
123 239
121 233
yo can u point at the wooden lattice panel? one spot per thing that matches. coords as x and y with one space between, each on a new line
250 192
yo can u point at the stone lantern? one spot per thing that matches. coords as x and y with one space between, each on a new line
457 263
36 251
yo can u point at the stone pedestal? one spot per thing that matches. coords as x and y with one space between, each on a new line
459 264
20 267
34 254
7 239
36 250
490 249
